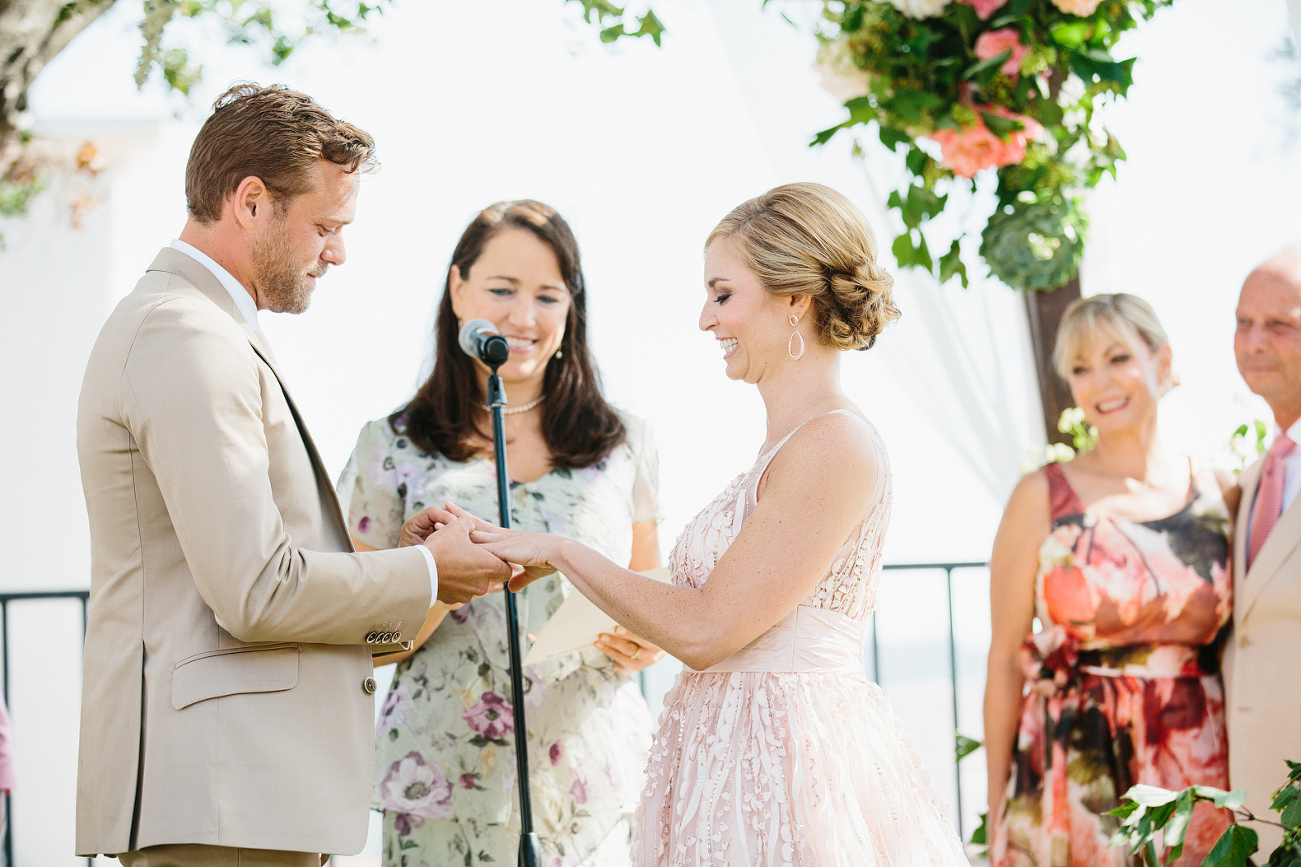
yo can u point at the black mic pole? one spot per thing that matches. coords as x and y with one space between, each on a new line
530 852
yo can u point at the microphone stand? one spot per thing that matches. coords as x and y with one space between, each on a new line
530 851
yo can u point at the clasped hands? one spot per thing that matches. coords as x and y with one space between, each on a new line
476 557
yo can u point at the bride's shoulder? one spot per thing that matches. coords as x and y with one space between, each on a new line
842 443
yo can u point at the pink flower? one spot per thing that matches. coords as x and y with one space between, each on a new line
579 788
491 717
1081 8
467 781
417 788
535 688
985 8
397 704
992 43
970 150
556 752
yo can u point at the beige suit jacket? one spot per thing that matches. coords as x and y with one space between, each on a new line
225 699
1262 694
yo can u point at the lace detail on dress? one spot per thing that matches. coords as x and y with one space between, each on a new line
781 768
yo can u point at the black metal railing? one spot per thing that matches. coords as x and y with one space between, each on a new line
953 664
948 568
5 598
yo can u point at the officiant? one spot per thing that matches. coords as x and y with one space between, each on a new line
445 775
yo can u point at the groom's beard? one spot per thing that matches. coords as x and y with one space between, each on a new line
281 284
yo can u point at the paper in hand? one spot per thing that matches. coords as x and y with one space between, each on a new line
576 624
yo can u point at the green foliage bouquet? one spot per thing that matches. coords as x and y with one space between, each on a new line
1149 809
967 86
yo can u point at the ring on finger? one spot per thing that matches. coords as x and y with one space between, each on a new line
636 652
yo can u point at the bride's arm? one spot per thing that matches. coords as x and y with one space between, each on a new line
817 490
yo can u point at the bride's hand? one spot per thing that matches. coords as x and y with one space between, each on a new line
529 553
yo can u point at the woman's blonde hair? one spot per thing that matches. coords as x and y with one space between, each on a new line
808 239
1119 316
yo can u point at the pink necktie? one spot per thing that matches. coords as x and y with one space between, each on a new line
1269 500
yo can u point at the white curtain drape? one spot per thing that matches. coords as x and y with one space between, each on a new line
963 356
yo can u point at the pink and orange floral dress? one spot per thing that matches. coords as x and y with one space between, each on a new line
1123 678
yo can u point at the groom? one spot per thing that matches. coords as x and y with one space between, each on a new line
227 710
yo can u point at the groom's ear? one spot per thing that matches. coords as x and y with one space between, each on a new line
251 205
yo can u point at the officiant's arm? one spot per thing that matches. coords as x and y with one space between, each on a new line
816 492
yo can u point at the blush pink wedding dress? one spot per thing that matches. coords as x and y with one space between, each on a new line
784 753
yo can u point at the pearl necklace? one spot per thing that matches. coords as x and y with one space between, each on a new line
518 409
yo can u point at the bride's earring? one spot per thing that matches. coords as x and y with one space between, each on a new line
790 344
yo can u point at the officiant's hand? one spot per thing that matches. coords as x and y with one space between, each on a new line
465 570
630 653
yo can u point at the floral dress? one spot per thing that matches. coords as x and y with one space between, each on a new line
1123 675
445 761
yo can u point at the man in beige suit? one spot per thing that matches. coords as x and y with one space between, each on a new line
228 709
1263 699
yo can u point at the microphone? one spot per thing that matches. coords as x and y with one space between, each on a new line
479 339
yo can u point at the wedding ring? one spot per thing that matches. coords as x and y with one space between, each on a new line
636 652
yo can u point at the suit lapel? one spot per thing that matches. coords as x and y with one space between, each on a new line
1282 541
198 276
1248 481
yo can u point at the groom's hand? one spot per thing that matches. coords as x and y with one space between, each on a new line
421 526
465 570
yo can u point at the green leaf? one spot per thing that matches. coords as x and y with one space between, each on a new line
1234 847
1001 126
827 134
892 138
965 745
980 836
1284 797
986 66
916 161
1291 816
1150 796
951 265
1070 34
1221 798
1108 71
911 104
1177 827
921 205
1126 809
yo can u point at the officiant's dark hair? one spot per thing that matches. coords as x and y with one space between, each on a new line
446 415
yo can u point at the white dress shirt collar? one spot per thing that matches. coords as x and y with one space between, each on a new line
238 293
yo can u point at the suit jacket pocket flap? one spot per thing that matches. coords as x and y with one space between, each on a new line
212 676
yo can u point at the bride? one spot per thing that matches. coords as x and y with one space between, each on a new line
773 747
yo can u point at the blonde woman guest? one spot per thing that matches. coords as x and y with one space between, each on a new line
445 769
773 747
1123 556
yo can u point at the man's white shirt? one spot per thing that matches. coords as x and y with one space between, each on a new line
248 309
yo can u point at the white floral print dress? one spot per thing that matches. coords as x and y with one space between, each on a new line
445 762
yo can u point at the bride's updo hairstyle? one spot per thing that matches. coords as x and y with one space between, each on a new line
807 239
1120 317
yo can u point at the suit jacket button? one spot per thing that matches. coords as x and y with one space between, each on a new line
368 686
1243 641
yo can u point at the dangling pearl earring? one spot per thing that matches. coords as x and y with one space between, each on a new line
560 353
795 323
